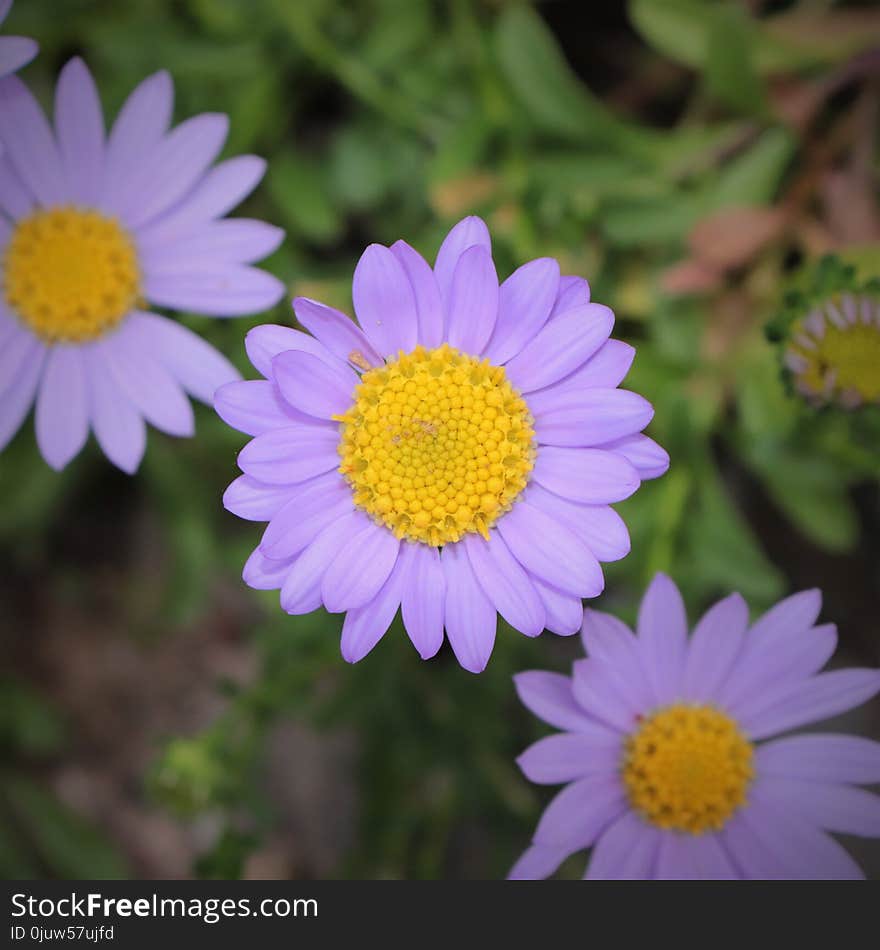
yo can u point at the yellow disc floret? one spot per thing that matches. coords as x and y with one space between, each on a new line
70 274
687 768
436 444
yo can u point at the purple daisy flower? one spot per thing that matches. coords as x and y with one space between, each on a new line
455 455
15 51
664 747
93 230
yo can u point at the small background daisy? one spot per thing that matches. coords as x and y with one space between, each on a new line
676 747
94 228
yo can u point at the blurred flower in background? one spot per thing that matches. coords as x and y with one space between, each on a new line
662 744
830 336
92 233
695 159
454 455
15 51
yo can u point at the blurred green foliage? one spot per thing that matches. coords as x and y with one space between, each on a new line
390 118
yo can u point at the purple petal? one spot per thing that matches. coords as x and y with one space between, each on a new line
118 426
549 696
573 292
231 241
599 527
263 573
173 167
79 125
758 686
612 643
568 756
802 850
423 597
714 648
472 304
648 458
592 417
581 812
469 615
467 233
265 342
662 630
15 52
538 862
18 391
219 191
605 369
693 858
384 302
823 696
227 291
313 386
360 568
550 551
626 852
429 305
192 361
365 626
342 337
152 390
254 406
606 637
603 691
30 145
792 615
138 128
62 417
750 853
561 347
839 808
293 454
524 303
822 757
588 476
312 506
254 500
505 583
778 630
15 199
19 346
301 592
564 611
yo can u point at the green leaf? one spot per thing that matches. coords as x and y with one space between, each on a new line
724 552
676 28
814 495
300 189
69 846
753 178
555 100
730 67
681 30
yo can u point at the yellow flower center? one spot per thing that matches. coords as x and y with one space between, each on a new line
687 768
437 444
838 359
70 274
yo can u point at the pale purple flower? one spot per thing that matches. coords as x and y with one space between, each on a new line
15 51
455 453
676 753
94 229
